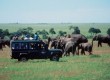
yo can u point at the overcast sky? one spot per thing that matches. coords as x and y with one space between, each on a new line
55 11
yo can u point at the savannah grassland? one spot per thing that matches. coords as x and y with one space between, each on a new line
82 67
84 27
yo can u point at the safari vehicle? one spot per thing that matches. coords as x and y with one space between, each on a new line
32 49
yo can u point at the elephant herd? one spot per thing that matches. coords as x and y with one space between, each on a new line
70 44
75 42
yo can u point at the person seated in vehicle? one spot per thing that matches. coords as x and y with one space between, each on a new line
16 46
32 46
36 37
23 46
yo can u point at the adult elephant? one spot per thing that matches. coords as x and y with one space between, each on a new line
52 42
70 47
101 39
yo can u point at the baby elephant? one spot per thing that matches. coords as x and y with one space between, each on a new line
85 47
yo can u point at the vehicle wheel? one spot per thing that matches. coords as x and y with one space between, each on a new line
23 59
18 59
54 58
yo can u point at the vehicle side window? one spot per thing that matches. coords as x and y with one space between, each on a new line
32 46
15 46
41 46
24 46
19 46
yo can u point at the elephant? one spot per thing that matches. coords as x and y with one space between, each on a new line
102 39
1 47
70 47
61 42
77 38
52 42
85 47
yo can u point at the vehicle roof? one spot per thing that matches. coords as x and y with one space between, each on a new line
26 41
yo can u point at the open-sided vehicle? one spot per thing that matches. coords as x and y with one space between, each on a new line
33 49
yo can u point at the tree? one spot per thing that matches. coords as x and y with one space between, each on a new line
97 31
71 27
6 32
76 30
29 29
1 32
25 31
91 30
108 31
43 33
62 33
38 32
94 30
52 31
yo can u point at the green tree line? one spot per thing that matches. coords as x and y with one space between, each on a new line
44 34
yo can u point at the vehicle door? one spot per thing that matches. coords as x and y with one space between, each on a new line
33 52
42 50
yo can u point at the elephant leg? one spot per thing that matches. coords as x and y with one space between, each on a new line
82 51
99 44
67 53
77 51
64 54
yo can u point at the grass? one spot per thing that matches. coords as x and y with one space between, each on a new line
69 68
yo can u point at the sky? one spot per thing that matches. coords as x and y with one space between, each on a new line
55 11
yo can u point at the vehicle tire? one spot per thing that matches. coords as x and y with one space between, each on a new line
23 59
18 59
54 58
